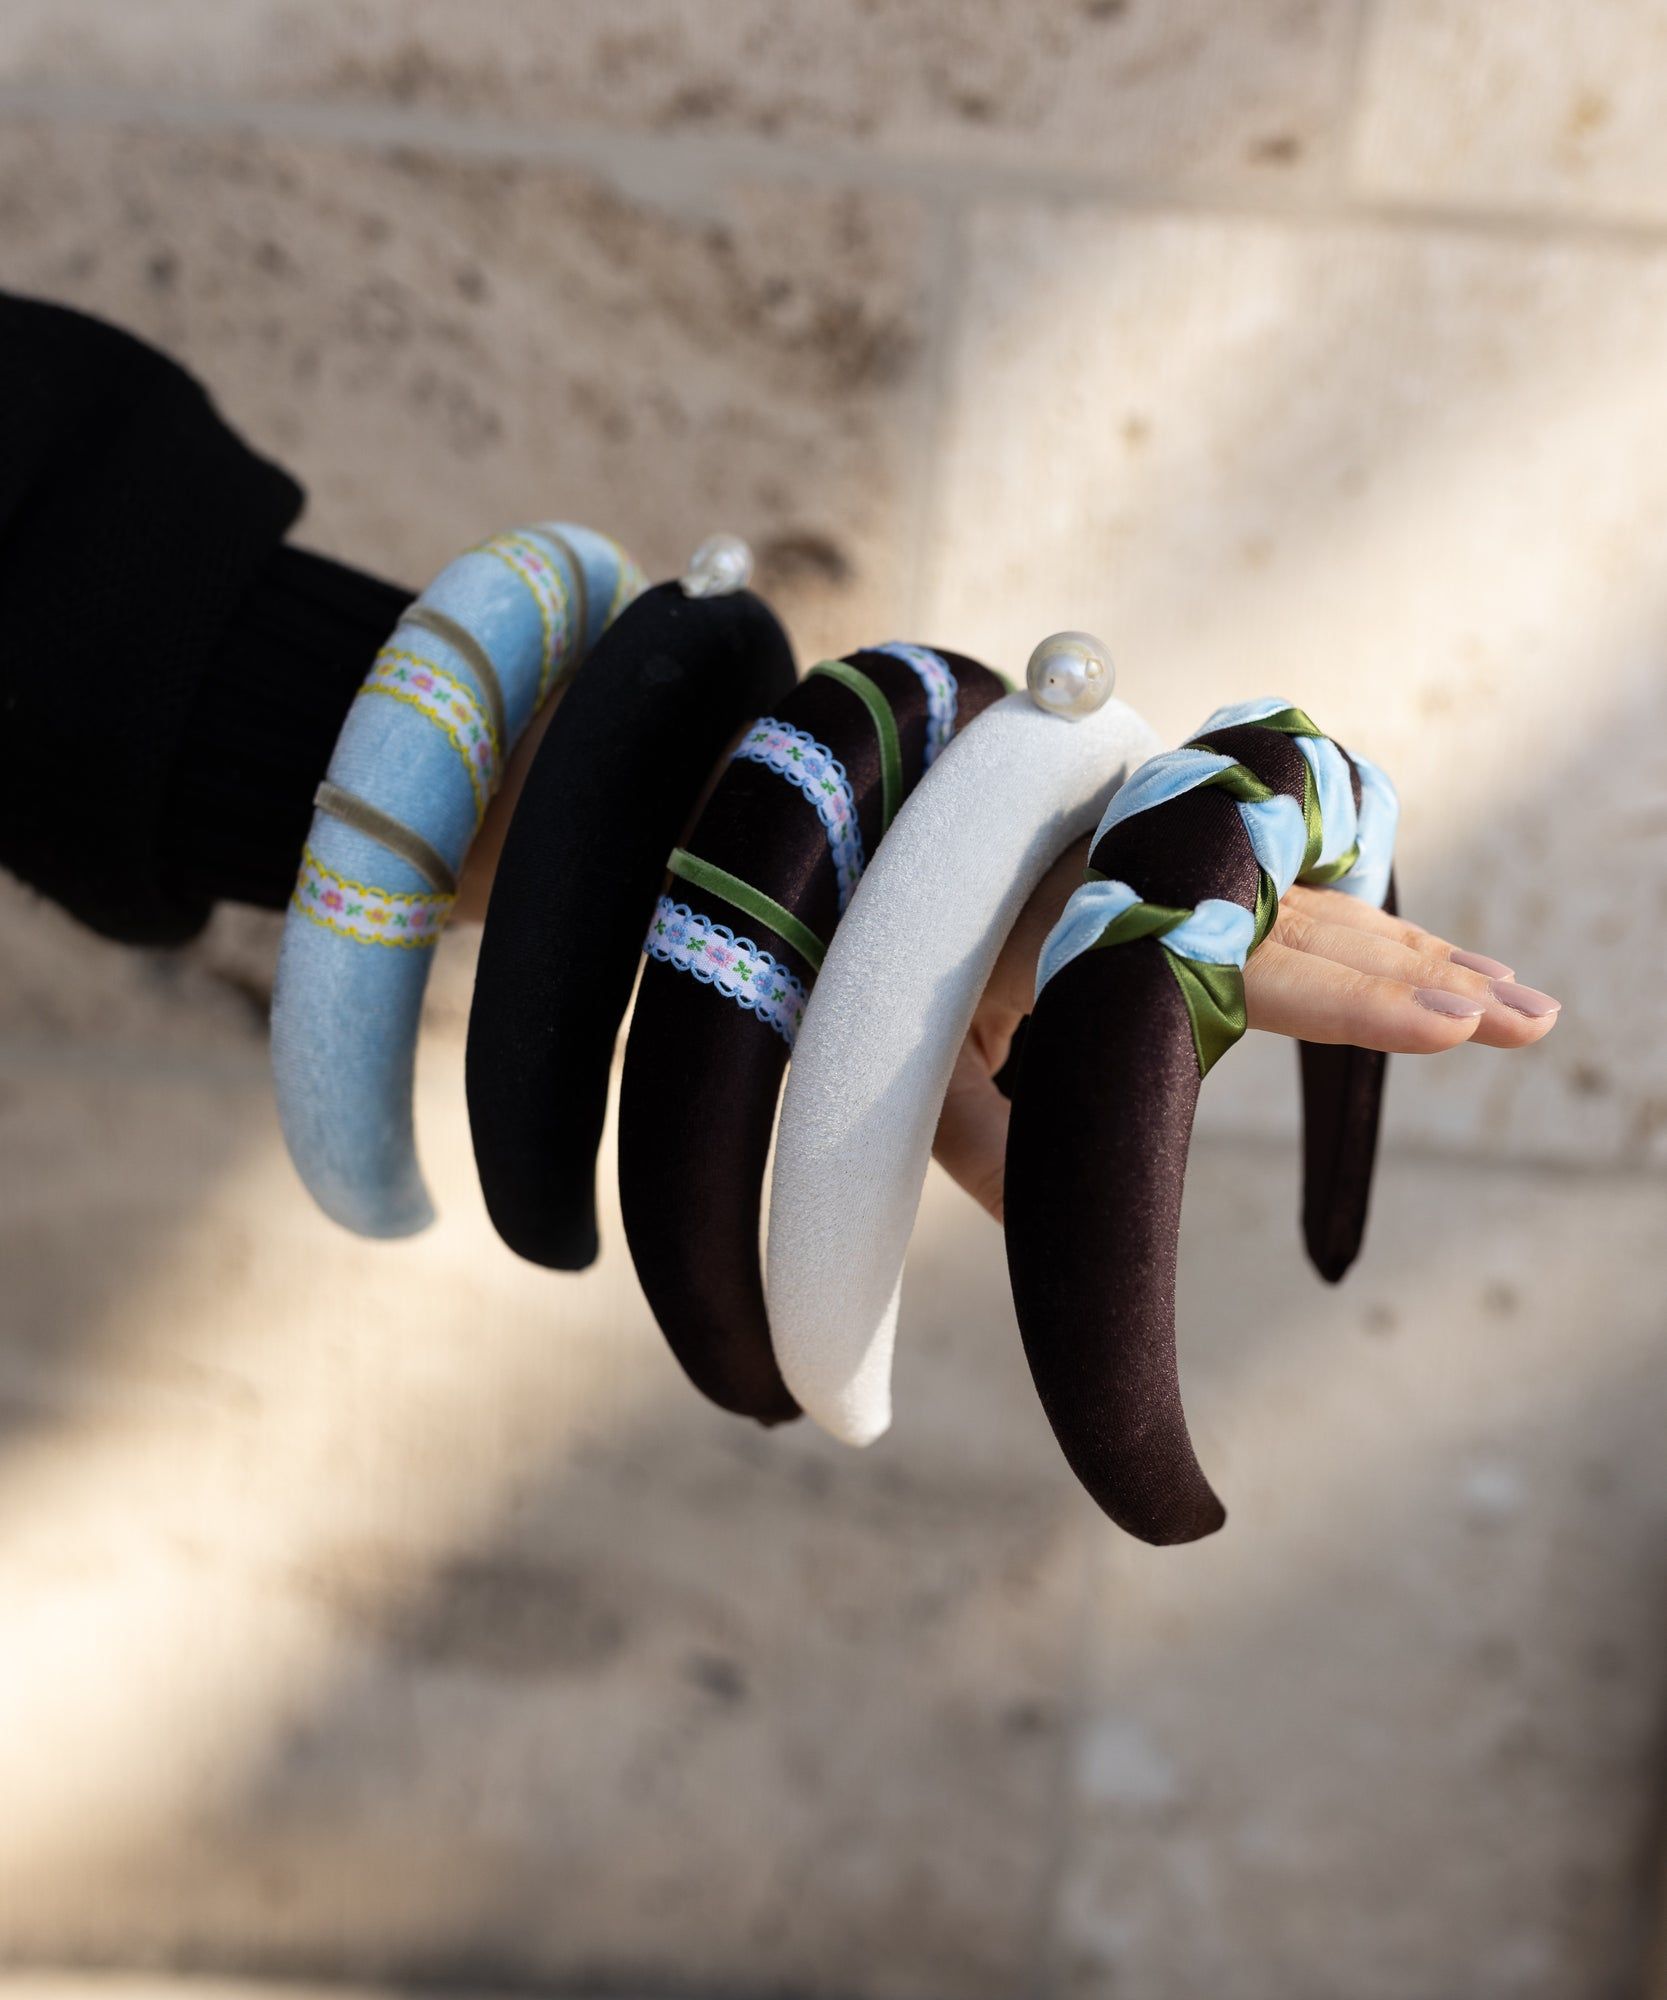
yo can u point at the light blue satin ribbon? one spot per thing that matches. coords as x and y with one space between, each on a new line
1217 932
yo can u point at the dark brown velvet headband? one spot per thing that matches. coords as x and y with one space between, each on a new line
1140 989
733 950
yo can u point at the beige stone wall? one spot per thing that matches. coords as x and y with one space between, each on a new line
372 1613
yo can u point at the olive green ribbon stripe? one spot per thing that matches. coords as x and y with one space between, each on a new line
1237 781
469 649
1137 921
752 902
388 832
1214 996
1289 722
1267 907
1333 871
885 728
1240 783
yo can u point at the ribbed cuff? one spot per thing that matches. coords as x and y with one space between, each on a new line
265 722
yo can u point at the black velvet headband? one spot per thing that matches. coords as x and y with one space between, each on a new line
1141 988
616 780
733 950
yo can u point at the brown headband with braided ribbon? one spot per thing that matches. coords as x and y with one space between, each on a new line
1141 989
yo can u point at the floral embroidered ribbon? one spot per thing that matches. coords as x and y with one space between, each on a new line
552 591
943 692
448 701
818 773
713 954
365 914
1324 839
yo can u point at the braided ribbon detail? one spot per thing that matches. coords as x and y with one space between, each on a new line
1325 840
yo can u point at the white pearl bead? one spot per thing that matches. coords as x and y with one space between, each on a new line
721 566
1070 674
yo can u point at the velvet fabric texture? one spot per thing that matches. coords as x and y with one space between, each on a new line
133 526
890 1010
706 1054
1102 1120
418 759
617 779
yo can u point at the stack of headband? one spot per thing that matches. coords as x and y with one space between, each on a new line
417 762
842 898
616 781
733 952
1107 1081
1139 991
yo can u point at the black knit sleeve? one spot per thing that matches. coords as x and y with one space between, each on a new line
171 676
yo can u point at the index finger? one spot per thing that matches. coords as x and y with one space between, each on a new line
1332 906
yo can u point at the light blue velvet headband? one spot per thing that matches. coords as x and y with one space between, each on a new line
414 769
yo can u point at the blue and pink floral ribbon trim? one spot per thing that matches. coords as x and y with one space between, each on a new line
818 773
943 692
713 954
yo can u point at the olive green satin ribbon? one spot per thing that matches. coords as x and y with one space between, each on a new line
885 728
751 902
1243 784
1213 994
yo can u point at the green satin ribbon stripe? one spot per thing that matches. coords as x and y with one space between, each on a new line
1333 871
1245 786
1289 722
1214 994
1215 1006
885 728
1267 907
751 902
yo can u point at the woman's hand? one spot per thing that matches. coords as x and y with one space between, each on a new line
1333 970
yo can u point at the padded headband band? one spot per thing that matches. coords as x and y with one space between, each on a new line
616 780
1140 990
414 769
734 950
892 1006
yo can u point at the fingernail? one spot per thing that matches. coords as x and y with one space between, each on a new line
1478 961
1440 1001
1525 999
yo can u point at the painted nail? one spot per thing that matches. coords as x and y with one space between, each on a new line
1525 999
1440 1001
1478 961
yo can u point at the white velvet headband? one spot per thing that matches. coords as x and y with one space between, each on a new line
890 1009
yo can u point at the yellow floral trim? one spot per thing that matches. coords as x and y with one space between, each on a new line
538 571
454 709
364 914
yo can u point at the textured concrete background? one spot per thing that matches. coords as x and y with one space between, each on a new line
382 1614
